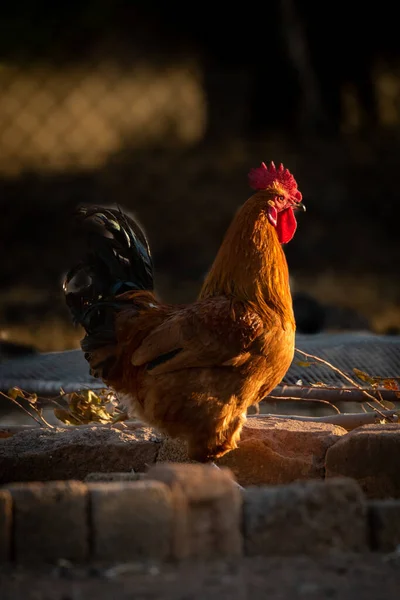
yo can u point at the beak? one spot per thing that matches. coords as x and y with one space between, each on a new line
301 206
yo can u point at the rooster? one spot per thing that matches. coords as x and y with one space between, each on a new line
191 371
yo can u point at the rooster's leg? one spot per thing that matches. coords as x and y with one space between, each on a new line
235 482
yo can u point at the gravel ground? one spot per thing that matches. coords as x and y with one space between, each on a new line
369 577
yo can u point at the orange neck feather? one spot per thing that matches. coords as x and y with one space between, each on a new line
251 265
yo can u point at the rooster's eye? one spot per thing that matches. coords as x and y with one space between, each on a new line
281 197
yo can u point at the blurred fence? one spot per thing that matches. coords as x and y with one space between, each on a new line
94 92
79 115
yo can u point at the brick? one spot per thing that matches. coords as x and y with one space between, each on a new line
275 451
371 455
44 454
271 451
310 518
131 520
384 522
208 508
5 525
104 477
173 450
50 521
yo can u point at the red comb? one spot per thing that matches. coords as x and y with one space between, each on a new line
263 177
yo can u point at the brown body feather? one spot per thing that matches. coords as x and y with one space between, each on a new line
192 371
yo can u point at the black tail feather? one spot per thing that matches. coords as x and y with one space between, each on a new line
118 260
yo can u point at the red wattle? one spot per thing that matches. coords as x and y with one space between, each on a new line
286 225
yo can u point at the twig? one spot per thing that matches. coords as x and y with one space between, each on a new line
329 387
348 378
348 421
296 398
40 422
40 413
331 394
381 378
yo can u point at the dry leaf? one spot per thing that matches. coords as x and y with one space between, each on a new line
87 406
15 393
390 384
389 405
364 377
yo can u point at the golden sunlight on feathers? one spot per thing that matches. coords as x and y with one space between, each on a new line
191 371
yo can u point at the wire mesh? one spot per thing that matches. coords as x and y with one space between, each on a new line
377 355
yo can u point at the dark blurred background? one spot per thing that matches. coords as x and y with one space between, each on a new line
163 108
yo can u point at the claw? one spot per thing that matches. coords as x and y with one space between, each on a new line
235 482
